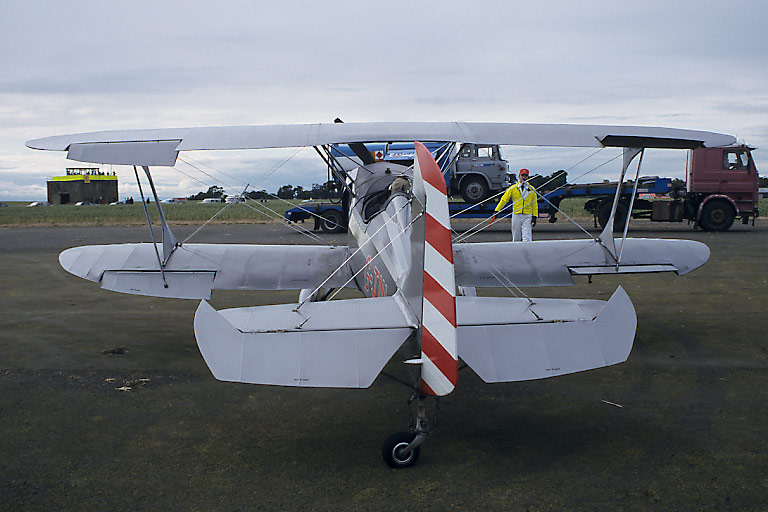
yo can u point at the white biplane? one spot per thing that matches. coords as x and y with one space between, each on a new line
401 257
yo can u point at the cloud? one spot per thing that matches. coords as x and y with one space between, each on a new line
105 65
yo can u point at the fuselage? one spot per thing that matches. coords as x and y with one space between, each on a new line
379 226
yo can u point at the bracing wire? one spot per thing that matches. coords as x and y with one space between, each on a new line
269 173
349 258
358 272
207 222
531 303
479 226
276 215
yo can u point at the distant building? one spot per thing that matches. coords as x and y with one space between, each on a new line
762 192
83 184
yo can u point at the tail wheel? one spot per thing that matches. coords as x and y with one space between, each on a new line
717 215
392 451
331 221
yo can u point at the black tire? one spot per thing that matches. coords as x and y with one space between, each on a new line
717 215
331 221
605 212
393 445
474 189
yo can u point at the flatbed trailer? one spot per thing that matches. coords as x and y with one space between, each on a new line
721 185
328 216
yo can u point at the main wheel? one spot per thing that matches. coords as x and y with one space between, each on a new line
392 449
717 215
474 189
331 221
618 220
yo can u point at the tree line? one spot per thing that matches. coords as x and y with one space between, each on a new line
327 190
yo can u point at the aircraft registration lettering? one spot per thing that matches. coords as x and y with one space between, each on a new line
374 280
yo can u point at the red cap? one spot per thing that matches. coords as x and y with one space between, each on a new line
524 171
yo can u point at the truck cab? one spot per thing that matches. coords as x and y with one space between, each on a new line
475 171
722 184
479 170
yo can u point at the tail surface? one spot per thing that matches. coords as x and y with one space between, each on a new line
438 327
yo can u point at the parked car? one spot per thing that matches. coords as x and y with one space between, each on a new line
38 203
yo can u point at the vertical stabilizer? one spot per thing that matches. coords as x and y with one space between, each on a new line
438 326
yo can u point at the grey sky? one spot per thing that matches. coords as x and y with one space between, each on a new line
83 66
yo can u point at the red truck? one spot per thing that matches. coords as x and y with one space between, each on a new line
721 185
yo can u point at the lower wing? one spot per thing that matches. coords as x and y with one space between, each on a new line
554 262
193 270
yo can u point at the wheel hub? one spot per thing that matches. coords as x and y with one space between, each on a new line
474 190
717 216
397 453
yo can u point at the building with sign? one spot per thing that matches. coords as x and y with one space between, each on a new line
83 184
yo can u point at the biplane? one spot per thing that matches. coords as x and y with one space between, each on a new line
419 304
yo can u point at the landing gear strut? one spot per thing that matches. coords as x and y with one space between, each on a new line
402 449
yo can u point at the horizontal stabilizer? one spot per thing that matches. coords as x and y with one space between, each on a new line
553 262
193 270
508 339
342 343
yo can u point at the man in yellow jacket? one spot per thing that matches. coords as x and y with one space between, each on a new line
524 207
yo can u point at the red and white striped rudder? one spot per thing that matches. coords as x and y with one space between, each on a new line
438 328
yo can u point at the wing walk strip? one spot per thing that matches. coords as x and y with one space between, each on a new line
438 327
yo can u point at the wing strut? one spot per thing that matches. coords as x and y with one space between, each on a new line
169 241
606 237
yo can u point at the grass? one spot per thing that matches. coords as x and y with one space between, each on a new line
191 212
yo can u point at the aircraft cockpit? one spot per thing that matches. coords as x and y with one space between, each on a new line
376 192
375 202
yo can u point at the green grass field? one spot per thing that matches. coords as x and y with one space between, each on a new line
191 212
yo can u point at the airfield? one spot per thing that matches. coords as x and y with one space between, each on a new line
106 403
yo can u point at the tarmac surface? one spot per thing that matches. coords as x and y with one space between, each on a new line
680 426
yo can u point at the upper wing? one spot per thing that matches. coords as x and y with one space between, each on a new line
195 269
161 146
554 262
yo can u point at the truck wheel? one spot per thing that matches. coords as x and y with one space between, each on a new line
474 189
717 215
331 221
605 212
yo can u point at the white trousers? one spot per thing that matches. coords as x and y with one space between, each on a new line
521 227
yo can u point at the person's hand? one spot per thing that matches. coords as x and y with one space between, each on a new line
493 219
